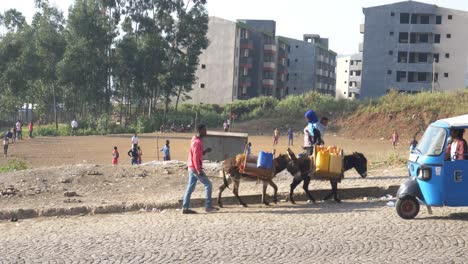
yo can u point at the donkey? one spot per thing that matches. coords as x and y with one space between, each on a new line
231 172
302 170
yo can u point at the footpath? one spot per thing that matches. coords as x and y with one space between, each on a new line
155 186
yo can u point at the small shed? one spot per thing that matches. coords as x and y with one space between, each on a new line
224 145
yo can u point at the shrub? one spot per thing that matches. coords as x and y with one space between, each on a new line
14 165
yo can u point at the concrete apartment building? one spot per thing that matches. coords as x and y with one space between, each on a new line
311 65
409 43
246 59
348 76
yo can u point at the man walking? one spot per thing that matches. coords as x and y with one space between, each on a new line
196 172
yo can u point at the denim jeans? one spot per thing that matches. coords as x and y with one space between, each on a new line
193 178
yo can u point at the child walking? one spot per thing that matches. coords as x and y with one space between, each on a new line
115 156
166 151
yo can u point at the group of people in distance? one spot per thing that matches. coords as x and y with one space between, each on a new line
135 152
17 134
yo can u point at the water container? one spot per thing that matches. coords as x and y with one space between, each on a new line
322 161
265 160
336 163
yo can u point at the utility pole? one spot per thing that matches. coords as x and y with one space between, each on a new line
433 75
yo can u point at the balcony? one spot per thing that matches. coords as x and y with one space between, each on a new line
361 28
416 47
355 67
246 63
282 69
246 44
281 84
268 82
355 90
426 28
361 47
354 78
269 65
270 48
245 81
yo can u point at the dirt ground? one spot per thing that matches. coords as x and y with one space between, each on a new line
76 171
58 151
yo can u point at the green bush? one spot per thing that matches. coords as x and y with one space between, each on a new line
14 165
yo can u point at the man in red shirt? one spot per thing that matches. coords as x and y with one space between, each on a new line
196 172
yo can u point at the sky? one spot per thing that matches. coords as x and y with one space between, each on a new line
337 20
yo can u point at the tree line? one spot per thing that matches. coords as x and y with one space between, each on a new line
118 58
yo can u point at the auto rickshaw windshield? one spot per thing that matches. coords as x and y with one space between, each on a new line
432 142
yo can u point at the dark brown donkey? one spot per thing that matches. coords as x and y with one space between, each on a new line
231 172
302 170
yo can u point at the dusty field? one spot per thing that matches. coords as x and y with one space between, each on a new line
82 167
56 151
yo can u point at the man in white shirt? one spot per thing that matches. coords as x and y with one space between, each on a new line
134 140
74 125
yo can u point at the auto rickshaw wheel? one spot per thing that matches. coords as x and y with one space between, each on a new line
407 207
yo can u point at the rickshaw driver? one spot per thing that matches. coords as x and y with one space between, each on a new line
457 149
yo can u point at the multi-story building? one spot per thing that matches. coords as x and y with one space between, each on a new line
348 76
411 47
311 65
244 60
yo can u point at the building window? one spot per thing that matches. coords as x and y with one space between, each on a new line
390 52
389 71
345 82
202 85
297 48
436 77
245 72
446 74
450 17
403 37
437 38
392 13
346 71
449 35
391 33
401 76
424 19
203 66
447 55
438 20
295 60
422 77
245 53
436 57
404 18
402 57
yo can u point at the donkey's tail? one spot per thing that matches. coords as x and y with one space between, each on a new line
225 181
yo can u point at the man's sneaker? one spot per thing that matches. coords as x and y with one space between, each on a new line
188 211
212 209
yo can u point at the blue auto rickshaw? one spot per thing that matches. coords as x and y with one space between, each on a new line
434 179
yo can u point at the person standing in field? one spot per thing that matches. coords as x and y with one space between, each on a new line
19 128
275 137
135 139
74 126
140 153
115 156
133 154
166 151
395 138
30 128
5 146
290 137
196 172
